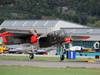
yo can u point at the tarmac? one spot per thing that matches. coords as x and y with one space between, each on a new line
56 64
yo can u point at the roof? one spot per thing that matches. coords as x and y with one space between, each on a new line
29 23
39 25
82 31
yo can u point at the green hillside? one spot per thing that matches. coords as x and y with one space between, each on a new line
86 12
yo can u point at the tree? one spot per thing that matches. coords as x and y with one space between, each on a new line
5 2
97 23
80 11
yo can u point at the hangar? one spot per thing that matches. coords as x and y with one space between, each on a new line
47 26
41 26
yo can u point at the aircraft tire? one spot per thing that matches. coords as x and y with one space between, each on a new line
31 55
62 57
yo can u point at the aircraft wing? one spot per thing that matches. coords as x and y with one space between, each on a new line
18 31
80 37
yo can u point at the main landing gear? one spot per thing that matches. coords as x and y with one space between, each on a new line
62 57
31 55
63 52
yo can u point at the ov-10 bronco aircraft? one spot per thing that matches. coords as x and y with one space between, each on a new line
57 38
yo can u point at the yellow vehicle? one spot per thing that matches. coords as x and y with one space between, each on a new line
2 47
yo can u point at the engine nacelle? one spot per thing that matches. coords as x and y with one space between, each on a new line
33 39
49 41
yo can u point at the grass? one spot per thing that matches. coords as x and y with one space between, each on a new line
26 70
29 70
25 58
19 58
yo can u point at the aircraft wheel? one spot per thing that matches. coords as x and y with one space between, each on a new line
62 57
31 55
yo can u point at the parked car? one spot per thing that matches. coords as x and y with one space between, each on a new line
41 52
76 48
15 50
21 48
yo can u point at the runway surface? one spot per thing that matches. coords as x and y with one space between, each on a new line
56 64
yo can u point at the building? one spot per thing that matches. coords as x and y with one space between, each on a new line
41 26
93 35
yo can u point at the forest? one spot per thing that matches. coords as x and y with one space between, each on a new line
85 12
